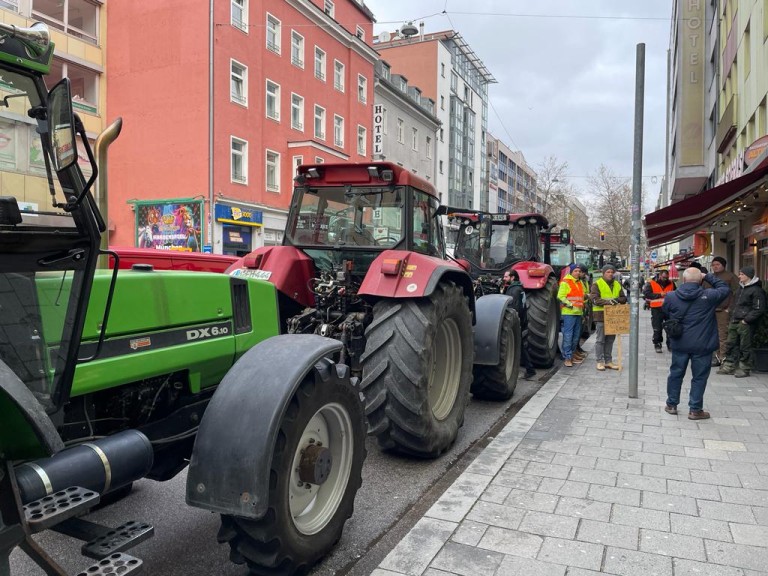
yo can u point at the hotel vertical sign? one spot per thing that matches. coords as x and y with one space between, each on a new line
378 131
692 39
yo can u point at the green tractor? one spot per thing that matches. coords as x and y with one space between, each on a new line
109 376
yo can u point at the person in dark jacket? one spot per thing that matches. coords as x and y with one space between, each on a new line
746 308
694 307
654 292
514 289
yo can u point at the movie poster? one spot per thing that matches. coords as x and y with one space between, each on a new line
169 225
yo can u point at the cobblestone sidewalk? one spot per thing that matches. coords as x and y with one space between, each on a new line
584 480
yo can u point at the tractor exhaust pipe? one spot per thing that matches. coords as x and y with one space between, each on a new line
102 466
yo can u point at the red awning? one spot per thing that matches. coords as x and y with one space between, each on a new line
683 218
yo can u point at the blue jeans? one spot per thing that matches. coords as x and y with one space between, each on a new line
571 334
700 367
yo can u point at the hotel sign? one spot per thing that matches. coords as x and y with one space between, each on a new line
378 130
692 36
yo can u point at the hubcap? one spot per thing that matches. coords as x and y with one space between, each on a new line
321 468
445 375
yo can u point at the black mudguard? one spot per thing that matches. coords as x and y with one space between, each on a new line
229 469
26 431
489 311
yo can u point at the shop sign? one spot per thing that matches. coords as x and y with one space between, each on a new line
755 149
237 215
378 130
169 224
734 170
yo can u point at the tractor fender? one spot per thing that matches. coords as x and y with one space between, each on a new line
26 431
489 312
229 468
534 275
405 274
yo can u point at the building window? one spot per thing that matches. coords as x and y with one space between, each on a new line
329 9
362 88
442 69
360 33
84 83
319 160
454 82
78 18
362 140
273 100
273 33
297 49
273 171
428 146
442 133
441 166
12 5
239 17
338 131
400 131
319 122
415 139
238 83
297 112
442 102
297 161
319 64
338 75
239 154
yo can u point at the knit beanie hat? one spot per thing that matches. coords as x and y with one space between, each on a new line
583 268
748 271
572 267
609 267
719 259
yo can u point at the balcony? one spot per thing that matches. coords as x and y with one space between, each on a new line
726 128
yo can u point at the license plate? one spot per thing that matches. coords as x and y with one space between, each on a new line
250 273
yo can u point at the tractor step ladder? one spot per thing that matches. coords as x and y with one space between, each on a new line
119 539
56 508
116 563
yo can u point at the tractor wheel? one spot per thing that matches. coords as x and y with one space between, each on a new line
417 369
499 382
543 324
314 476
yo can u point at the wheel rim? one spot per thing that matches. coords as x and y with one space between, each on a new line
510 365
312 506
551 328
445 376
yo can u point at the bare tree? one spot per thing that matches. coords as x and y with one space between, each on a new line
611 209
551 183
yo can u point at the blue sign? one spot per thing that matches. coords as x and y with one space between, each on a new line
207 249
240 216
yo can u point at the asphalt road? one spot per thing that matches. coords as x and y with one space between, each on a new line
396 492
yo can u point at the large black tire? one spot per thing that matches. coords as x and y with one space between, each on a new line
417 370
543 324
499 382
303 522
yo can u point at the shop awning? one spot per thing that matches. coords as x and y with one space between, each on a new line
683 218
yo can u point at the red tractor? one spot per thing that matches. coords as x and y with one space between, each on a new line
363 261
488 245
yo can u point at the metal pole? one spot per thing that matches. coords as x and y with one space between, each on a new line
209 235
103 141
637 203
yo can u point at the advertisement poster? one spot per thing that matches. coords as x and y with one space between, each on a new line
8 139
169 225
36 160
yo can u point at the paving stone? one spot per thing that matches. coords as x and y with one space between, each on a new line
707 454
701 527
598 452
380 572
581 508
716 478
685 462
575 460
705 434
665 449
642 457
604 477
511 542
496 494
516 566
750 557
638 482
616 495
623 444
750 535
693 489
692 568
467 560
683 441
531 501
514 466
459 498
604 433
496 515
631 563
761 515
726 511
533 455
517 480
548 470
744 496
570 553
549 485
573 489
416 550
619 466
608 534
734 467
558 447
755 457
723 445
670 503
670 472
671 544
549 525
640 517
731 421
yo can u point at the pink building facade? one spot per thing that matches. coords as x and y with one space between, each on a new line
205 165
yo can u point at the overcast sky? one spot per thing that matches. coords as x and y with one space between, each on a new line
566 85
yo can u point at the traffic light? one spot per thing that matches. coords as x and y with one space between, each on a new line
602 236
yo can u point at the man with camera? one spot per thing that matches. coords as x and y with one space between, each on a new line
691 326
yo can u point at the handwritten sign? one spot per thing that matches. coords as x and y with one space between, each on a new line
616 319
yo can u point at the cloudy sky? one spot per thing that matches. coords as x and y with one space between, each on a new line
566 74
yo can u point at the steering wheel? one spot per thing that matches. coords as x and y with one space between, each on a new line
382 241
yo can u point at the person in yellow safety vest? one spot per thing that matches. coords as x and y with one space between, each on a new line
579 352
653 293
571 297
605 291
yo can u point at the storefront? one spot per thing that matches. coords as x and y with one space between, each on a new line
238 228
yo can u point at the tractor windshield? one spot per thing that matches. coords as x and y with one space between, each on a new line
349 216
505 246
584 257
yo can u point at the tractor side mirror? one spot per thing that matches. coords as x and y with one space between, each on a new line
61 123
565 236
